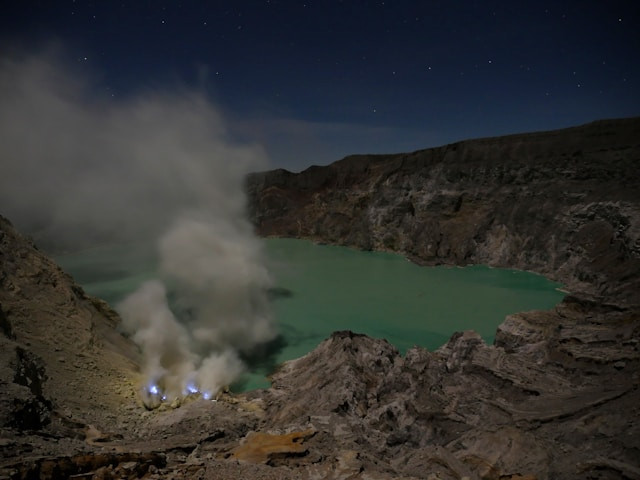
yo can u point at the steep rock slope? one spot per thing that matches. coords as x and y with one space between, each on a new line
563 203
65 372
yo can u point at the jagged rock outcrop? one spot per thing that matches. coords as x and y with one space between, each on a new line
563 203
556 397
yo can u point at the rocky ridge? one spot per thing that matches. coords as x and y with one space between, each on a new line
562 203
556 396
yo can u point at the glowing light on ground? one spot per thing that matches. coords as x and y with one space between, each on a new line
156 395
192 389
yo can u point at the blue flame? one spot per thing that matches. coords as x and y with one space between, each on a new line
191 388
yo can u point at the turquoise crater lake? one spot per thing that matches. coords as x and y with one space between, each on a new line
320 289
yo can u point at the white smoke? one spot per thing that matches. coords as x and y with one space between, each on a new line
165 343
212 263
79 169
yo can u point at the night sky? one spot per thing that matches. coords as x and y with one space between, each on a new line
313 81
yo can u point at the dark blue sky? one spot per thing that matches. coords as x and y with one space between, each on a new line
314 81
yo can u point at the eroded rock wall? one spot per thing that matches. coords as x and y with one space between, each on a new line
563 203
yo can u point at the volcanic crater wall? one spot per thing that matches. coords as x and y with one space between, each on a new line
563 203
556 396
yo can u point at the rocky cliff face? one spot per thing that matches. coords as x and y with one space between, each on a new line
54 336
556 396
563 203
64 368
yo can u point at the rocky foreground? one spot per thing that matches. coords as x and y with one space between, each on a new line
556 396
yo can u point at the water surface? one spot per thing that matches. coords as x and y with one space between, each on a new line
320 289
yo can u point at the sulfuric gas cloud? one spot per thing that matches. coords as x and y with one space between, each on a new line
78 169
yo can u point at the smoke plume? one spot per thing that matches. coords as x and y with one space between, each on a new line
78 169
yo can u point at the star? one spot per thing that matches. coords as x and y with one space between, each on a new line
252 33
